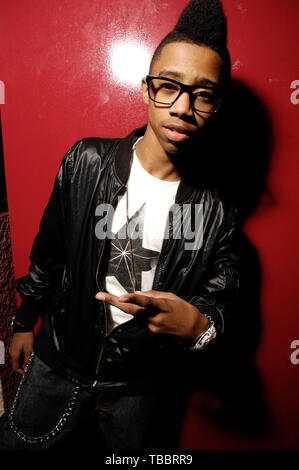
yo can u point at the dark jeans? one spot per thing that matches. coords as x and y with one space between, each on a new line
51 412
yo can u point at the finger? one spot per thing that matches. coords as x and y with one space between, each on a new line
148 293
158 320
148 301
146 311
15 363
111 299
105 297
154 329
158 294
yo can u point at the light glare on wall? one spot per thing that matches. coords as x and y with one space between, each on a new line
129 62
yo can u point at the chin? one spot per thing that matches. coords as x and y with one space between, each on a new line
176 148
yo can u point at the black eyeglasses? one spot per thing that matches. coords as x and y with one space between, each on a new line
167 91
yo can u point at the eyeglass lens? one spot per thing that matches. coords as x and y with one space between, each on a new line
165 92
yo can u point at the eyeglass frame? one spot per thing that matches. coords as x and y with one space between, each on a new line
184 89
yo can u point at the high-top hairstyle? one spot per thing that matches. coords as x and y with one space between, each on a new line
202 22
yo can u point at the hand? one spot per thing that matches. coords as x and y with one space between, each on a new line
165 312
21 343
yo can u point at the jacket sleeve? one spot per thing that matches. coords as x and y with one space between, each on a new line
47 256
217 295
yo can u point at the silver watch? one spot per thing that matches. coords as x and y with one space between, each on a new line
205 337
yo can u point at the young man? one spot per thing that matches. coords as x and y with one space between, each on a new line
134 267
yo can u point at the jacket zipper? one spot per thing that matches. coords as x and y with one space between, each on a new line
105 311
158 271
99 287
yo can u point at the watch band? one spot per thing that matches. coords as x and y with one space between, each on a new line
206 337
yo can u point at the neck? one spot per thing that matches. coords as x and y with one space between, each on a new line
154 159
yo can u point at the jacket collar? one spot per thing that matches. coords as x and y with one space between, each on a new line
123 164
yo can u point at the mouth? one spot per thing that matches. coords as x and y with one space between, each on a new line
177 133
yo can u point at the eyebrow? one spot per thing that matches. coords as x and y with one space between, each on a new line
202 81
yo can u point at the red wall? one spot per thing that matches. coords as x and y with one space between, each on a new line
59 87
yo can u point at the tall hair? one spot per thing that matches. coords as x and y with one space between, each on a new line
202 22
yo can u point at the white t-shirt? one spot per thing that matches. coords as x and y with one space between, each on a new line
149 200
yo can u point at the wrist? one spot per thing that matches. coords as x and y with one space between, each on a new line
201 326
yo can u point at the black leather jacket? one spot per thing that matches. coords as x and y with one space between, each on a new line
65 272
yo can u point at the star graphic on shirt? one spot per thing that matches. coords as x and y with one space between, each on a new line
120 262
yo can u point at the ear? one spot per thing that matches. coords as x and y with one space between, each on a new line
144 91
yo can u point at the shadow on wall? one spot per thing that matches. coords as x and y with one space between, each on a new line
243 151
232 387
237 161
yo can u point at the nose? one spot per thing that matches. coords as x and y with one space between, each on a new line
182 106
